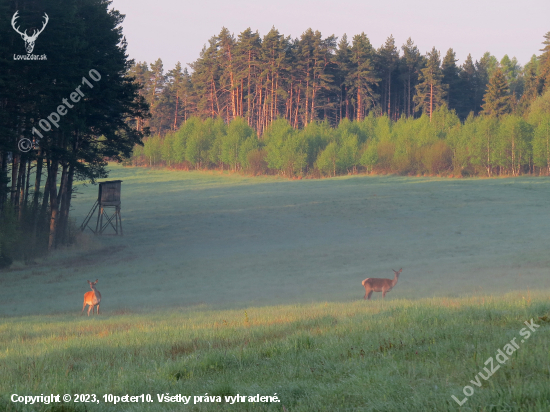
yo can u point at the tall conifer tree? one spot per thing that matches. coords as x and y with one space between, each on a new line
411 64
484 70
388 57
362 75
467 102
247 61
512 72
544 77
430 92
497 98
530 84
451 77
342 57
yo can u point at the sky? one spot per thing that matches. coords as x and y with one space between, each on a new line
177 30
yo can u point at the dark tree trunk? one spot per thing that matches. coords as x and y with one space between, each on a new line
52 174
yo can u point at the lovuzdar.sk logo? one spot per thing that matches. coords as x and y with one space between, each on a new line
29 39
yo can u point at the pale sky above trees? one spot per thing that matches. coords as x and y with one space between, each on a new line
177 30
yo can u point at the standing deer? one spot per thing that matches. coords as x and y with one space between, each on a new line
92 299
380 285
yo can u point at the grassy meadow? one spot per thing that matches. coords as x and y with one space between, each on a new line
226 285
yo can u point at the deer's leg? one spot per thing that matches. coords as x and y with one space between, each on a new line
83 306
90 307
98 308
369 295
367 291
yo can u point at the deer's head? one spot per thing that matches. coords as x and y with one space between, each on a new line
29 40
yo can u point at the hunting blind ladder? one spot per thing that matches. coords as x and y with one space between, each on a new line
108 198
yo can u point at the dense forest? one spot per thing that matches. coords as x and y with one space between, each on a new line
319 106
74 105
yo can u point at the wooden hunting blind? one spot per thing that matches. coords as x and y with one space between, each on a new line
108 198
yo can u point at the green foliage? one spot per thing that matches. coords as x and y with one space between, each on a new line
437 158
219 129
541 144
181 138
539 108
362 77
497 98
431 91
348 152
199 142
240 139
451 77
152 149
167 150
327 161
250 145
482 145
286 148
514 143
369 156
544 68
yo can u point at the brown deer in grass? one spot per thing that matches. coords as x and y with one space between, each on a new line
92 299
380 285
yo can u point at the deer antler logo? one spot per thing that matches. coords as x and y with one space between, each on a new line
29 40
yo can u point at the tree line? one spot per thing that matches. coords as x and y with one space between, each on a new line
443 145
312 78
74 105
309 106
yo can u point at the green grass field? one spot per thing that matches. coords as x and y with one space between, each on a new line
228 285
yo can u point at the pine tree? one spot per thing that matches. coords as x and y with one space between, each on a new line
156 83
387 59
273 56
206 73
530 84
325 72
88 132
512 72
342 58
175 97
227 84
451 78
140 74
247 56
362 76
544 68
411 64
467 102
430 92
497 98
484 70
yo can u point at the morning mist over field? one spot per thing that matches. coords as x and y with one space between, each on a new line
229 241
